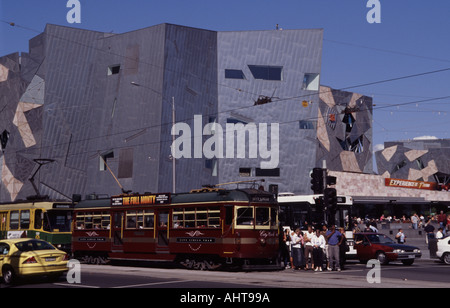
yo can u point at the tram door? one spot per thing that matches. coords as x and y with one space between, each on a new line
117 231
163 229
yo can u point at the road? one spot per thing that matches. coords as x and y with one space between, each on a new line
423 274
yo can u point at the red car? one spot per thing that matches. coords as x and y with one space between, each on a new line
378 246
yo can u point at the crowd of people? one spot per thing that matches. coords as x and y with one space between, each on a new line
326 247
415 221
430 224
315 249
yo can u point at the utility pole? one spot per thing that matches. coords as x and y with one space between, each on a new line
174 179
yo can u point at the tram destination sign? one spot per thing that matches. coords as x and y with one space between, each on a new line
154 199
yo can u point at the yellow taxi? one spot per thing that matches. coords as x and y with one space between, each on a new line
30 257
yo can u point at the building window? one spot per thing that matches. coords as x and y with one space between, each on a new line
349 120
113 69
125 163
311 82
399 166
235 121
265 72
104 159
420 164
234 74
245 172
267 172
4 137
306 124
356 146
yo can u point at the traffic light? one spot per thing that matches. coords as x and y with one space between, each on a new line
330 198
317 180
331 180
273 189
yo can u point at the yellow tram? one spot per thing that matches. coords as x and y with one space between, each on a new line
46 220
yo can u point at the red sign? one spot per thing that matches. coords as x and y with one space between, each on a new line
410 184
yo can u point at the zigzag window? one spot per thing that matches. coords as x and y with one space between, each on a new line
356 146
234 74
4 137
265 72
399 166
311 82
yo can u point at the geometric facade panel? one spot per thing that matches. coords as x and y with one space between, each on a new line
415 154
21 122
389 152
3 73
10 182
344 128
424 160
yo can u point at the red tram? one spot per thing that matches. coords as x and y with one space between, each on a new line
199 230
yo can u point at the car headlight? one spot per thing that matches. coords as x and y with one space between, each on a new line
398 251
416 250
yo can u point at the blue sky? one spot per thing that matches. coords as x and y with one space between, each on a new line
413 38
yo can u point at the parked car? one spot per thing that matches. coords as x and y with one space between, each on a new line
443 250
381 247
30 257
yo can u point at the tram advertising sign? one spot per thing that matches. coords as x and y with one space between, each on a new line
409 184
154 199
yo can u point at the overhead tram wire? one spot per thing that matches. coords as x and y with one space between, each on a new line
227 86
377 49
96 151
218 84
237 89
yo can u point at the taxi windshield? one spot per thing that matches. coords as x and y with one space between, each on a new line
32 245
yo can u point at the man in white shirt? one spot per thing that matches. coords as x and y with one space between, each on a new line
401 237
309 247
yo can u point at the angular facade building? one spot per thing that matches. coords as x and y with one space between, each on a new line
83 106
344 131
416 160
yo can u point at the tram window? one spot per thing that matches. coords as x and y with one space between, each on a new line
189 218
131 219
178 218
141 219
163 219
97 220
38 219
25 219
245 216
149 220
214 217
91 220
262 216
202 217
14 220
106 220
88 221
273 217
80 222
